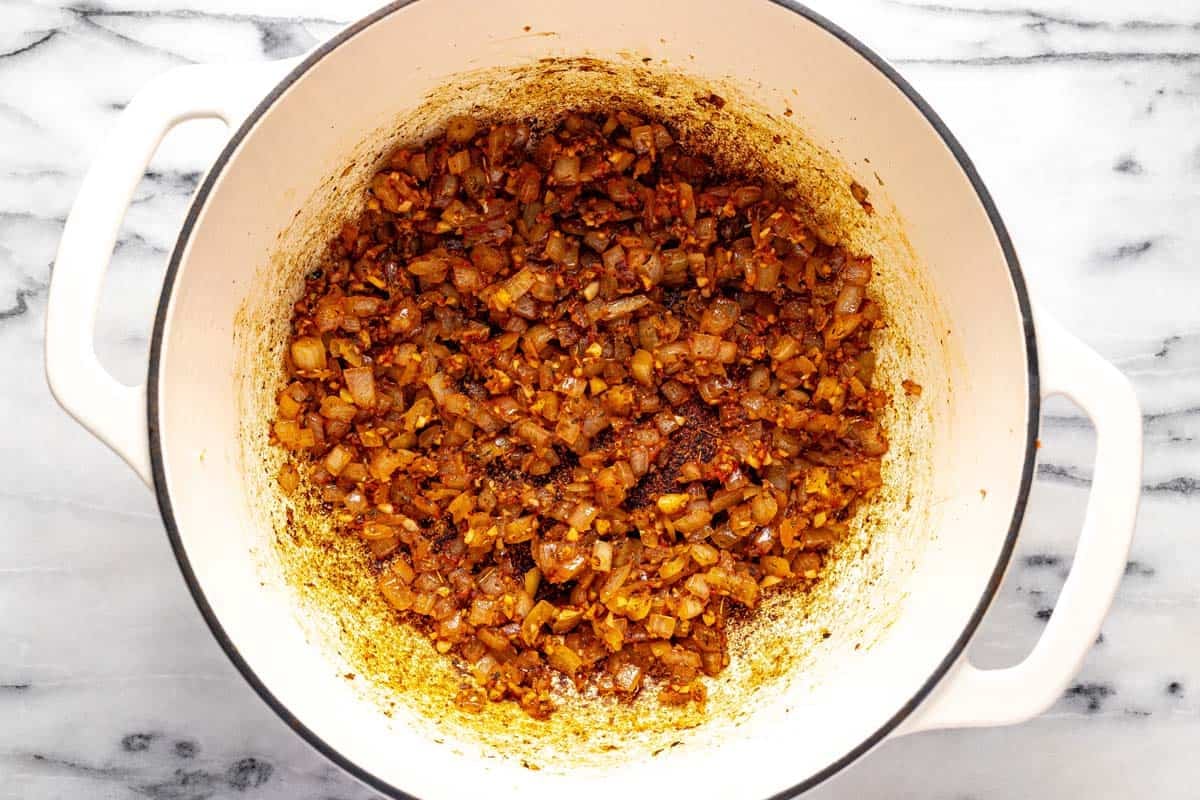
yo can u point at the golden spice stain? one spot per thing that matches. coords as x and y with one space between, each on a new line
397 668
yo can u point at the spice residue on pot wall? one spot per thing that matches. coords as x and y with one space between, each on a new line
793 639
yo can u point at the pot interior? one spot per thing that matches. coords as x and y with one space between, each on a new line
813 676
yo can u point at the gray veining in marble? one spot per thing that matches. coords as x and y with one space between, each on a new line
1082 117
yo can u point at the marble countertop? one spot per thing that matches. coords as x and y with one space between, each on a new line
1084 120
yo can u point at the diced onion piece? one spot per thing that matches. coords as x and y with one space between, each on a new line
405 317
360 381
572 386
330 314
439 386
556 247
642 137
689 607
378 530
538 437
651 271
642 367
870 437
335 408
582 516
705 346
459 162
694 520
559 562
766 274
745 196
764 507
287 431
697 586
418 167
602 555
777 566
520 529
785 347
720 316
308 353
514 289
673 568
569 430
639 461
857 271
403 569
432 267
363 305
538 616
337 459
616 580
623 307
687 202
461 506
704 554
466 277
611 630
660 626
842 327
566 170
483 612
384 462
849 299
289 408
398 595
564 659
628 677
355 501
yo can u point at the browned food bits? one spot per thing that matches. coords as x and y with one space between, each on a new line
582 395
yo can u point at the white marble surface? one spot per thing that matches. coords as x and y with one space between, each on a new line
1084 119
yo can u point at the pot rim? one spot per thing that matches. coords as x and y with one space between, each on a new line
311 736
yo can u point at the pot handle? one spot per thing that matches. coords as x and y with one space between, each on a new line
973 697
113 411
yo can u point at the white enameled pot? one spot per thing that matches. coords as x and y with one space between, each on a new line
298 123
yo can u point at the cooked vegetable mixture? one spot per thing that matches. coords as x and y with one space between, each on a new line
583 397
